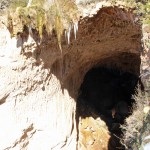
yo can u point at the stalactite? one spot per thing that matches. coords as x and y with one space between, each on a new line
75 29
68 33
29 3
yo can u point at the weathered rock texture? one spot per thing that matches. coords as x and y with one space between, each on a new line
38 96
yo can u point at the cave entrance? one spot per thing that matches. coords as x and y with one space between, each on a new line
105 93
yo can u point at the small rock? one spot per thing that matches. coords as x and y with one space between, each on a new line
146 109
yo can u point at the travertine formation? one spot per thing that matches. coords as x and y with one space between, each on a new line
38 89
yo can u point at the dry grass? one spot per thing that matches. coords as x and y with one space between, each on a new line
137 126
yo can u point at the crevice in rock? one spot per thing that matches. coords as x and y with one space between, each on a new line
24 139
3 99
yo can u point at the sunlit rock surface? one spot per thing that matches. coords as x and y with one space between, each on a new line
38 93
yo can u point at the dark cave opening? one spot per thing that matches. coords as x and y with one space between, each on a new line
109 93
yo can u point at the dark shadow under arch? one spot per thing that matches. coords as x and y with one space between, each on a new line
108 92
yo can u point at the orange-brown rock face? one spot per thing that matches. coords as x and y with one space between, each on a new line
106 40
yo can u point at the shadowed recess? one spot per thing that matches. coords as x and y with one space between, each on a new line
107 92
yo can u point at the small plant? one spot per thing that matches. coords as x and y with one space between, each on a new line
137 126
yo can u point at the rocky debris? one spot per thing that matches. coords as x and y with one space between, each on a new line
93 132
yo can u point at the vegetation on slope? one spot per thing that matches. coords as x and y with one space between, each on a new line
60 15
137 126
38 14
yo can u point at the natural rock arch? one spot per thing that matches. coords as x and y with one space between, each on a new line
48 87
101 42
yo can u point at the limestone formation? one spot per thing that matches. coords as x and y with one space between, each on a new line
39 89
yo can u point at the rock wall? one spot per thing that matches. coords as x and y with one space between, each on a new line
34 112
38 91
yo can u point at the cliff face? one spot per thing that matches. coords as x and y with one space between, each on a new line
38 91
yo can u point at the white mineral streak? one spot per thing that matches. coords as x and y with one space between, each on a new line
75 29
69 32
29 3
